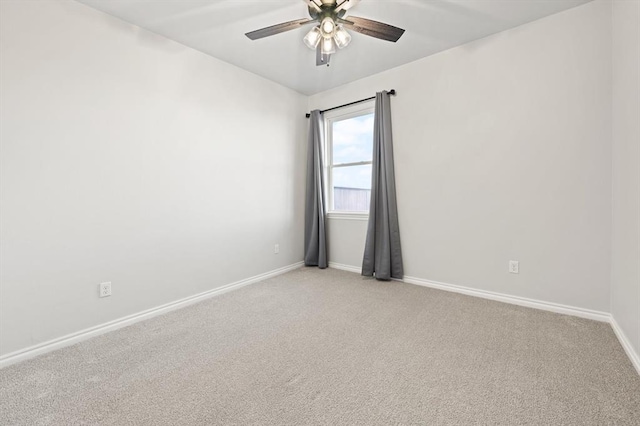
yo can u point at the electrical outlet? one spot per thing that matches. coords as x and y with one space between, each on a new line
105 289
514 267
276 249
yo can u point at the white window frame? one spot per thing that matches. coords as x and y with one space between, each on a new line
331 117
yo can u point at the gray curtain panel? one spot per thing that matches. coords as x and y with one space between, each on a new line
382 253
315 243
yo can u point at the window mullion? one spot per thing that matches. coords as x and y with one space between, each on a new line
359 163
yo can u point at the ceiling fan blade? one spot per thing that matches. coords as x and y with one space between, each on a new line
346 5
277 29
322 59
372 28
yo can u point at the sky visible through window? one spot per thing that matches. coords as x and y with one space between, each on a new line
353 142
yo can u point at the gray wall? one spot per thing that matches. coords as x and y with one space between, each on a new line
129 158
625 295
503 152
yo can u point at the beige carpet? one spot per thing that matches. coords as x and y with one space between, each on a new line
330 347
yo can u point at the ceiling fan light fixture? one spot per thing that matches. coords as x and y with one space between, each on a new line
327 47
313 38
342 37
328 27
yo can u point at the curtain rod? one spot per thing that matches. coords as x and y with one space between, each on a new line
390 92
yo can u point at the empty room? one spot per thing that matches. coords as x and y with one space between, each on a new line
327 212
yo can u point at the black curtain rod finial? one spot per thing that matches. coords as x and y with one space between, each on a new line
390 92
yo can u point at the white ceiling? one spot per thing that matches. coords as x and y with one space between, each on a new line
217 27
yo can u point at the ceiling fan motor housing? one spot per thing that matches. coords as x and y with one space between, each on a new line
327 10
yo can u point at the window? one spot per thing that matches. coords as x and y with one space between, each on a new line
349 153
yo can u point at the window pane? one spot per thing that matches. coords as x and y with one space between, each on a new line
352 188
353 139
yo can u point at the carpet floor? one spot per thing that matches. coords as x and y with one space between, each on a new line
331 347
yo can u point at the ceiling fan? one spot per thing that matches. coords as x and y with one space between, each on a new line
330 15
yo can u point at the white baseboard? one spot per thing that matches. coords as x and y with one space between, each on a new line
626 344
514 300
70 339
522 301
73 338
500 297
343 267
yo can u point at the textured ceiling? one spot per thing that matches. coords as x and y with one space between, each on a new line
217 27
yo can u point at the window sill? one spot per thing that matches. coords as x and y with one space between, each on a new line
348 216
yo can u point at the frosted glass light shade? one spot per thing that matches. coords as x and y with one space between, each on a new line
327 27
342 38
327 46
313 38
